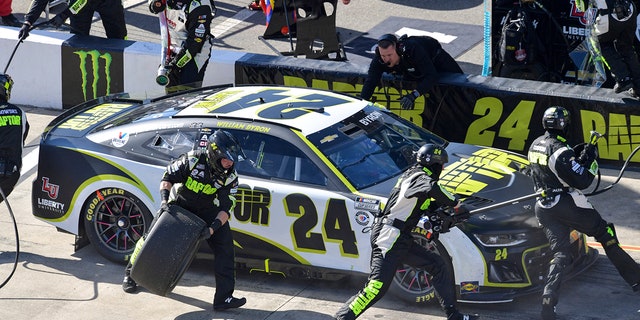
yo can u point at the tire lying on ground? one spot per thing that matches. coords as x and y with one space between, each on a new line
164 254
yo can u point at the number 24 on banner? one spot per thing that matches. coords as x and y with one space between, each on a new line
514 128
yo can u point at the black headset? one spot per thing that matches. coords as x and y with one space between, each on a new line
390 37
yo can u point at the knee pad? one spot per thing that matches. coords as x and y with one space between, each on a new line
607 237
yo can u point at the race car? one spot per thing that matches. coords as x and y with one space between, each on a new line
318 168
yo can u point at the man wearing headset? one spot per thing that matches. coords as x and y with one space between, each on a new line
415 58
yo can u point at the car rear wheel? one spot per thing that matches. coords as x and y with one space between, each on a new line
114 220
414 285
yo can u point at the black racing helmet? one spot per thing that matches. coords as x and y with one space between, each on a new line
556 118
6 83
430 154
223 145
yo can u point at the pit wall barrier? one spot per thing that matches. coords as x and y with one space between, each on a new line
57 70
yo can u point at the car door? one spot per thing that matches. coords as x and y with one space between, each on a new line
287 213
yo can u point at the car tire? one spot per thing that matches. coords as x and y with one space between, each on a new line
167 251
114 220
413 285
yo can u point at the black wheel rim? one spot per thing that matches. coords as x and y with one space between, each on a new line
415 281
119 223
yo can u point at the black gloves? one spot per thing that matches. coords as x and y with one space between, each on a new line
588 154
24 31
164 207
205 233
59 19
407 102
157 6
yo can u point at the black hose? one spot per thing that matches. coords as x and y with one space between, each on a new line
18 44
15 228
624 167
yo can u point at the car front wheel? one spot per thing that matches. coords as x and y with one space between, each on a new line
414 285
114 220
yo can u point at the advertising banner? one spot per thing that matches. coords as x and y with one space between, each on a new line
489 111
91 68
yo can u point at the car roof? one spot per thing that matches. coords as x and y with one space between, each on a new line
308 110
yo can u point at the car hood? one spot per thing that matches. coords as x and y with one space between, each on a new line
484 176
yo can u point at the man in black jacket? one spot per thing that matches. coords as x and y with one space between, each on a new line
13 132
418 58
561 172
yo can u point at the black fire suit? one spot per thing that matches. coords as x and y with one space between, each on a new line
206 195
81 13
111 13
421 59
191 42
392 243
554 168
14 128
616 38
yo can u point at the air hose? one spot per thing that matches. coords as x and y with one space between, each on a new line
624 167
15 228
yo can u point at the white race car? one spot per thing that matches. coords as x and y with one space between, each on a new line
319 168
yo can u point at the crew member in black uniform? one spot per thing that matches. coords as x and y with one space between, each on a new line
208 184
80 12
392 242
417 58
189 23
561 172
14 128
615 28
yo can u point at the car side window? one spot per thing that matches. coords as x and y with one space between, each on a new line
274 158
172 143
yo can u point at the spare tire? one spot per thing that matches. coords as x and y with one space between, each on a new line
164 254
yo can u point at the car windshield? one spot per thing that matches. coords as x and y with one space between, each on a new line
372 146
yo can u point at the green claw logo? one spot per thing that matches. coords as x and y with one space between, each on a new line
95 56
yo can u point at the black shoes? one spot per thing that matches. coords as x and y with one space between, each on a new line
623 85
129 285
11 21
548 312
230 303
462 316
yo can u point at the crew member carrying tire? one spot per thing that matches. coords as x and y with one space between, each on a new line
561 172
392 242
208 184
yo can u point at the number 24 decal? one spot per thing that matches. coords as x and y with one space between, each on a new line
515 127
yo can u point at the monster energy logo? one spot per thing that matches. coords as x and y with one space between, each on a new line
94 56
